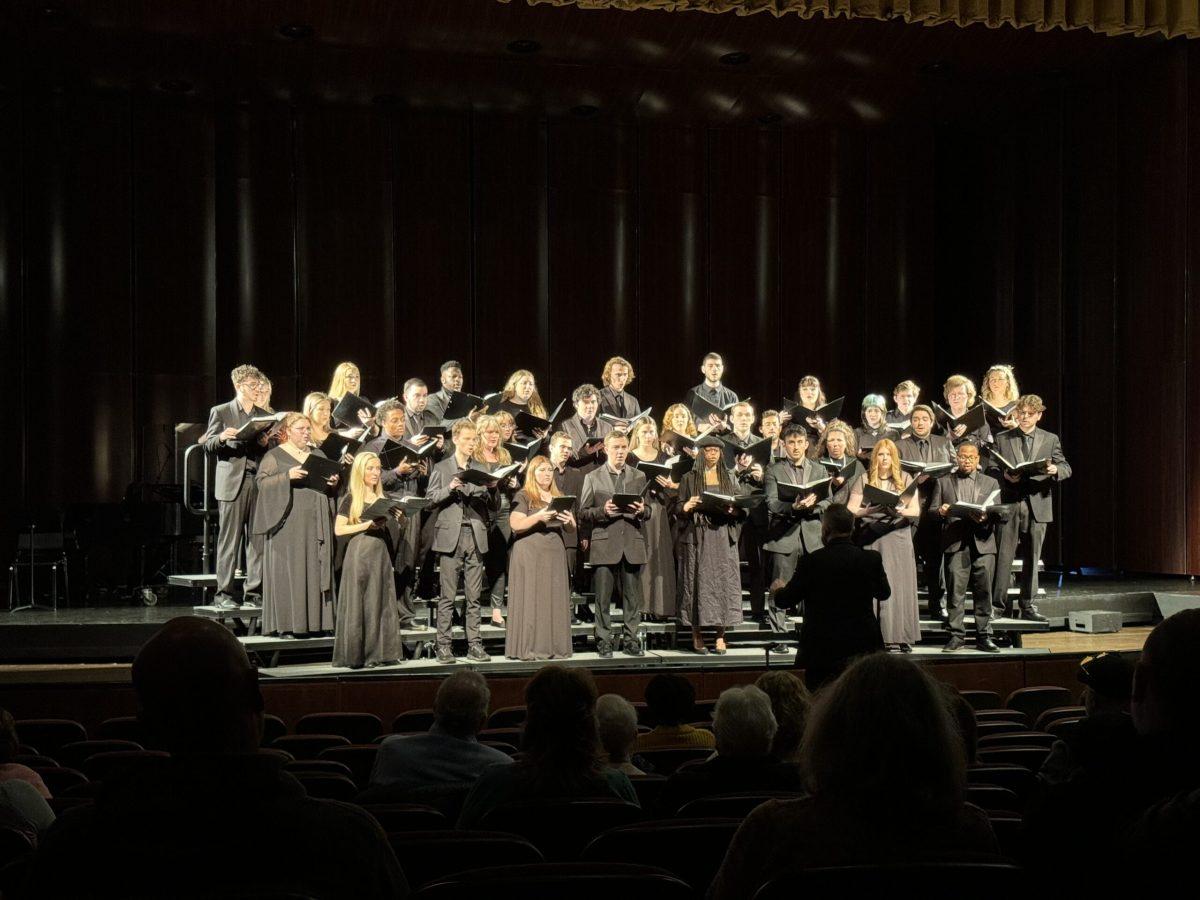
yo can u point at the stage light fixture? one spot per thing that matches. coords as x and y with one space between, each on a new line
295 31
769 119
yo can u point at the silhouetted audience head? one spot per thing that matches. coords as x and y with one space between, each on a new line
561 748
9 742
836 522
881 736
616 722
460 707
790 702
1166 702
964 718
743 722
1108 683
670 699
197 692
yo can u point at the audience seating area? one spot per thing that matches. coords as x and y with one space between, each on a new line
577 846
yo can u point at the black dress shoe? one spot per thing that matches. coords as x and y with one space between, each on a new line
955 643
631 648
906 648
226 603
1032 615
445 655
604 649
700 651
986 645
253 601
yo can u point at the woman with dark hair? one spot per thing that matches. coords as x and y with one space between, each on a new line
560 756
671 704
885 770
709 578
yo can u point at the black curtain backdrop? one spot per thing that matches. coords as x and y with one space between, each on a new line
148 244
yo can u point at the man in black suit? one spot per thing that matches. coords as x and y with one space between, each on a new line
586 429
417 416
712 390
618 542
969 545
836 588
1034 503
237 464
614 399
920 444
451 375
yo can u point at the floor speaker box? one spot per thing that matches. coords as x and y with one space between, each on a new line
1094 621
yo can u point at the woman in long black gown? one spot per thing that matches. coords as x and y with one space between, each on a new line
658 574
368 626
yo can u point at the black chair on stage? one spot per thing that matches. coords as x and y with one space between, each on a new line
73 756
359 757
936 880
736 805
1033 701
428 855
308 746
690 849
412 721
356 727
48 735
667 760
561 828
554 881
507 717
328 787
401 817
981 700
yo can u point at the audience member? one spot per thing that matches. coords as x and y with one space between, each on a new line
616 723
155 832
449 753
1103 741
671 704
886 773
966 724
561 754
9 745
23 799
744 727
790 701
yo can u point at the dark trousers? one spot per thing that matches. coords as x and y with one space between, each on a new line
466 562
405 581
964 567
783 566
1022 533
496 562
233 532
750 549
927 543
603 581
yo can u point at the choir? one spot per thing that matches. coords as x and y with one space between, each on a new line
334 512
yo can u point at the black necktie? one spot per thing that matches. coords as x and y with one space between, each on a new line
620 406
1027 440
924 445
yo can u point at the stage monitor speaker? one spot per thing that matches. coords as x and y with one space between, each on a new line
1094 621
1169 604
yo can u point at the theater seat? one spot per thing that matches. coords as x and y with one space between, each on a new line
428 855
501 746
649 788
107 766
667 760
993 798
318 767
1002 715
1015 739
35 761
1029 757
73 756
1017 779
507 717
981 699
398 817
59 779
936 880
560 829
1010 832
328 787
691 849
412 721
122 728
273 727
1062 729
560 881
356 727
359 757
1033 701
48 735
1056 714
514 736
733 805
989 727
308 746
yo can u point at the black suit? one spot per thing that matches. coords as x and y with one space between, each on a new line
927 539
622 406
1033 509
836 587
970 550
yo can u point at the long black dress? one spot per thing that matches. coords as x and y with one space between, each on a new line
658 574
298 550
710 584
368 627
539 591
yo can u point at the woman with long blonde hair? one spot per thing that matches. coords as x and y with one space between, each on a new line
678 419
368 626
539 593
346 380
520 394
491 452
889 531
1000 390
317 406
658 574
297 522
839 446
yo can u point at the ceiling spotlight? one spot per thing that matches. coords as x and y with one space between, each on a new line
176 86
937 67
769 119
523 47
295 31
737 58
584 111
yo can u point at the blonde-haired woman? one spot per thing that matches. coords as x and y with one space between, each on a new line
539 592
346 380
678 419
520 394
1001 391
839 445
368 626
658 574
317 407
492 454
889 531
298 523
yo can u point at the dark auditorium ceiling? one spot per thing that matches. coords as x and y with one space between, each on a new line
459 53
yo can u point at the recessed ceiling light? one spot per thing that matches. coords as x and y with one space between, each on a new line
937 67
176 86
584 110
737 58
523 47
295 31
769 119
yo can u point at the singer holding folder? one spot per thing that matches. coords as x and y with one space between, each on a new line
539 615
295 514
368 627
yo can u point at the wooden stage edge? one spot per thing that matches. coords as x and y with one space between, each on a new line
91 693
